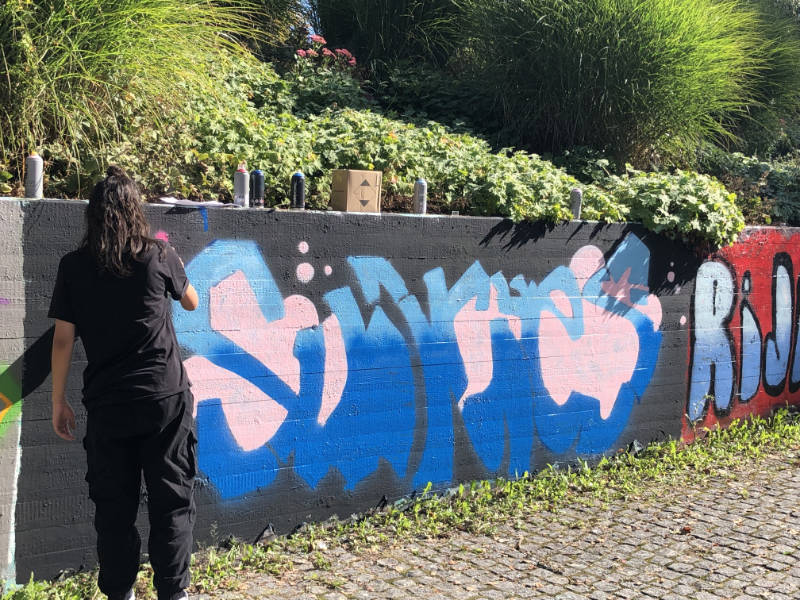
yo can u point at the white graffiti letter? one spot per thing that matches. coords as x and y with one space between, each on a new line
712 354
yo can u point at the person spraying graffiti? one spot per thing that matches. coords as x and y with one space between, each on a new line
114 292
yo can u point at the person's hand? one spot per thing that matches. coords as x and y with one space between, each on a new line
63 420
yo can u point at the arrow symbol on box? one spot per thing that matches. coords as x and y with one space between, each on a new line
364 202
366 183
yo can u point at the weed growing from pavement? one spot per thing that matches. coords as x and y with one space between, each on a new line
475 507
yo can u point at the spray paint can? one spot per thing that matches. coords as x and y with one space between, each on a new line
241 186
420 196
34 176
576 202
297 193
257 188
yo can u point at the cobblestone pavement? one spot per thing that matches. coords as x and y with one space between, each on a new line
734 537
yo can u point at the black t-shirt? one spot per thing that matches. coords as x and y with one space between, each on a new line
125 324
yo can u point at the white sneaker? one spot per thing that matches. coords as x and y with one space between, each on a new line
181 596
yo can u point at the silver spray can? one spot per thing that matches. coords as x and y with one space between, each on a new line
420 196
576 202
34 176
241 186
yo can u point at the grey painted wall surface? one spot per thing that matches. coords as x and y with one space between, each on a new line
340 361
12 345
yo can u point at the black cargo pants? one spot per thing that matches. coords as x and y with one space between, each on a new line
124 441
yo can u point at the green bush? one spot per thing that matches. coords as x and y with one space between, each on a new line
643 79
771 123
789 7
382 31
255 117
767 191
258 116
586 164
323 78
417 90
689 206
685 205
76 71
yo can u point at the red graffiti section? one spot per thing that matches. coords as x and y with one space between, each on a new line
743 357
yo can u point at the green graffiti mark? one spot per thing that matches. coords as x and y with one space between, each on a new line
10 399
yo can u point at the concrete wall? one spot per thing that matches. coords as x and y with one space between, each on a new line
340 361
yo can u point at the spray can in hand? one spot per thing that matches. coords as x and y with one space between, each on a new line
241 186
34 176
297 193
257 188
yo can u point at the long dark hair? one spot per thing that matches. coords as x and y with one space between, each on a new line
117 232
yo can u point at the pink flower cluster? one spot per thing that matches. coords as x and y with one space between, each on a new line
338 54
346 55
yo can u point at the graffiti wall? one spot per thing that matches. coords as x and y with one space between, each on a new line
340 362
743 355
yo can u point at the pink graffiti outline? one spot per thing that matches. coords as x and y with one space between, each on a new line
474 339
235 314
336 369
596 364
583 365
253 417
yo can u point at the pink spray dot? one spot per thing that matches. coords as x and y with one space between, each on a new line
671 276
305 272
328 270
302 247
162 235
683 320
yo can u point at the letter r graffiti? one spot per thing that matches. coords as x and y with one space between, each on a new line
712 361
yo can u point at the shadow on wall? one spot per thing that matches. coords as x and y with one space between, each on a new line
28 372
513 236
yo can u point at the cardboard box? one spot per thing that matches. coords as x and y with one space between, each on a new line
356 191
